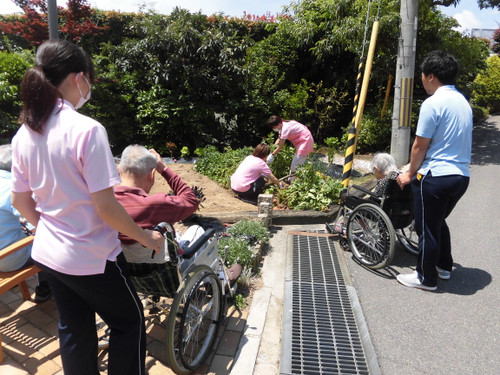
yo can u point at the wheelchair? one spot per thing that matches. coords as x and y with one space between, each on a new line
197 281
368 224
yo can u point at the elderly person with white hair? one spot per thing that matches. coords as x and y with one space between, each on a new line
138 167
384 167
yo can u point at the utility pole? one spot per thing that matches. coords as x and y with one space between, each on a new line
403 89
53 22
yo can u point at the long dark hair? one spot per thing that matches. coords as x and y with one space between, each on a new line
55 59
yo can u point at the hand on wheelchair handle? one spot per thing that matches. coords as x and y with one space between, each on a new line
154 241
403 179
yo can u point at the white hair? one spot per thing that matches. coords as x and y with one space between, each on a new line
137 160
6 157
384 162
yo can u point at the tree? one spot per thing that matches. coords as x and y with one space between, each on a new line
482 4
12 68
189 70
496 42
487 86
75 21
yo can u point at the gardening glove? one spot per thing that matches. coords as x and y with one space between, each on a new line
270 159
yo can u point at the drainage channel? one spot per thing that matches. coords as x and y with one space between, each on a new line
324 331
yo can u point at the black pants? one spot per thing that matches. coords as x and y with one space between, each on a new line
434 199
112 296
255 189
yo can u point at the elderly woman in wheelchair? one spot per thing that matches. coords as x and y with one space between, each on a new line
368 222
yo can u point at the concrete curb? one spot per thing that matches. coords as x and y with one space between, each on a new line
248 349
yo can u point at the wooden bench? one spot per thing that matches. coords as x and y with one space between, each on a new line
8 280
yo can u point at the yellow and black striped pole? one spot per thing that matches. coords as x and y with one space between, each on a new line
352 138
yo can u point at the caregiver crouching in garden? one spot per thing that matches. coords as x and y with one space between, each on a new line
249 180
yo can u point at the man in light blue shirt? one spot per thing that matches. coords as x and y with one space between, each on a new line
10 227
439 168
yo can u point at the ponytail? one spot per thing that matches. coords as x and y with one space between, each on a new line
55 60
39 97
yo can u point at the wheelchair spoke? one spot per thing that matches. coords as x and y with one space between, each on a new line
370 236
196 330
195 317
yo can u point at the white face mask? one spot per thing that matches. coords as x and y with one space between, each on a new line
82 99
276 129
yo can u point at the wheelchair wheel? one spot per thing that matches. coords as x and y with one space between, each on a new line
194 320
371 235
408 238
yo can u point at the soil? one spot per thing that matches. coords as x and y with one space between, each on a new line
217 198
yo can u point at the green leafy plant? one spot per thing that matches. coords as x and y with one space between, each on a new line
253 231
239 301
310 190
281 164
238 251
333 146
185 152
240 240
220 166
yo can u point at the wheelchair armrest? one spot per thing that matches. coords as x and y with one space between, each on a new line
370 193
192 249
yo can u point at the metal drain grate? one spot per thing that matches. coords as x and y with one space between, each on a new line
320 334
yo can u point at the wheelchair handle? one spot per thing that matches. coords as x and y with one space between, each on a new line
192 249
163 228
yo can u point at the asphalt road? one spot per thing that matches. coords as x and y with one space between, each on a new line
455 330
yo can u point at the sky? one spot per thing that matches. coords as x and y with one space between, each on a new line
467 13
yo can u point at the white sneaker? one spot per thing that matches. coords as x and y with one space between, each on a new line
411 280
443 274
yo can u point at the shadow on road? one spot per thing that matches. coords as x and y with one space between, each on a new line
465 281
486 142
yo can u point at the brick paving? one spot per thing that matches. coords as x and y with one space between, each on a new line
30 343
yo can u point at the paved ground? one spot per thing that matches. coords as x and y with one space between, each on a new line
30 344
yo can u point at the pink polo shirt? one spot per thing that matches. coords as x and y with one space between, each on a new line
250 169
62 167
299 135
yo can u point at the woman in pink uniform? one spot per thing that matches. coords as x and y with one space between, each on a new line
295 132
249 180
63 174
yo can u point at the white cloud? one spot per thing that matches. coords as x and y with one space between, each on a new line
467 20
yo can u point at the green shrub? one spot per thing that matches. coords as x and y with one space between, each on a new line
220 166
253 231
13 65
310 190
486 91
281 164
479 113
239 251
333 146
374 134
240 240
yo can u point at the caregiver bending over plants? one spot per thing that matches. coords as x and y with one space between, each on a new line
295 132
